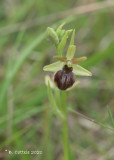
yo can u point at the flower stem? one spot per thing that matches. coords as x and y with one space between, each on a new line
65 139
65 127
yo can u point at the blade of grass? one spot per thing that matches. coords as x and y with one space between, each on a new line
90 119
110 115
24 54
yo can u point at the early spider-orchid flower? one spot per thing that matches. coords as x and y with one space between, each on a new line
67 67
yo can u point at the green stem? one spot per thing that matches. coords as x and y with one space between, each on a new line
65 139
65 127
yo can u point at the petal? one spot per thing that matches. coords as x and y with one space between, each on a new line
78 70
78 60
62 59
54 67
71 52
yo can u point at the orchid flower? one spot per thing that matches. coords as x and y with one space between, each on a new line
66 68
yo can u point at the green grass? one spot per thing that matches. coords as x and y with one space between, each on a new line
26 120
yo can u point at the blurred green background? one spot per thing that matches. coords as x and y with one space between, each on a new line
26 122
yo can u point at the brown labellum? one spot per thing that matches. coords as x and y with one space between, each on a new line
64 78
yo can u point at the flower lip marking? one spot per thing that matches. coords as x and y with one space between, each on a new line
64 78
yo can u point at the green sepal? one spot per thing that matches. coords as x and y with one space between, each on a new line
54 67
78 70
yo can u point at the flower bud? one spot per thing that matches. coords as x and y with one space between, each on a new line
52 35
61 34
